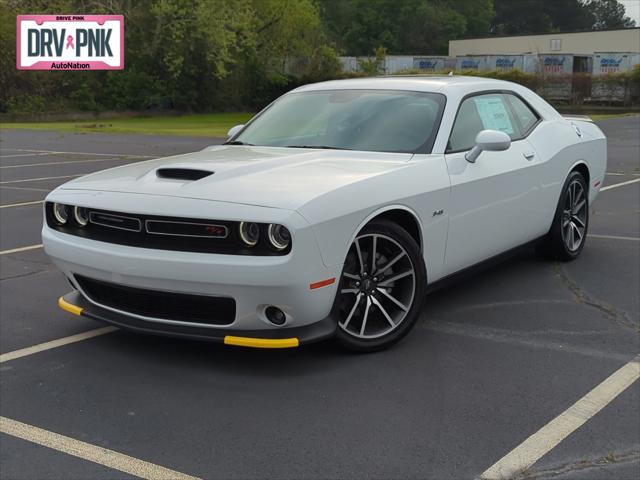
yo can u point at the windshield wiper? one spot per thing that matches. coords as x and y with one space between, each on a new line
238 142
323 147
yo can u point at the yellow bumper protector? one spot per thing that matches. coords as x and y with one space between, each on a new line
261 342
64 305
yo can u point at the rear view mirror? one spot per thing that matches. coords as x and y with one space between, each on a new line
489 140
233 130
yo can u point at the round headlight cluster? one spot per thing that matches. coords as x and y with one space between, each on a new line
278 235
249 233
81 215
62 212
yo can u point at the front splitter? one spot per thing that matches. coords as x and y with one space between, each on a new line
73 302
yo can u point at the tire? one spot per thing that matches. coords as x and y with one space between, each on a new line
568 232
379 303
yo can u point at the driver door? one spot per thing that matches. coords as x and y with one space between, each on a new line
492 207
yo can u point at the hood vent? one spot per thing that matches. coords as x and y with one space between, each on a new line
189 174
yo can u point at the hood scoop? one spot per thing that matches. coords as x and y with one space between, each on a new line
188 174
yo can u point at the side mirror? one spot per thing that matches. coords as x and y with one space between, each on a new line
489 140
233 130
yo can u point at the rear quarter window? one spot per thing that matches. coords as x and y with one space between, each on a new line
526 117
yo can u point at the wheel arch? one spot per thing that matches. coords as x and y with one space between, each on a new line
402 215
582 167
578 166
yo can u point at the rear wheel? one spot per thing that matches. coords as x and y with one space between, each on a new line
568 233
382 286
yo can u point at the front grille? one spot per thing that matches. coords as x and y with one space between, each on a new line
186 229
201 309
164 233
119 222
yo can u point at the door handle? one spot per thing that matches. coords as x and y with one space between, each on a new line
529 155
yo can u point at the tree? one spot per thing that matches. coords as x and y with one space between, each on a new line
540 16
477 15
609 14
359 26
193 44
403 27
287 37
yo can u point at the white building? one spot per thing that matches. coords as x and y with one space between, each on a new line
577 43
595 51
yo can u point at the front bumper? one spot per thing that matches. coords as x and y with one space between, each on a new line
73 302
296 283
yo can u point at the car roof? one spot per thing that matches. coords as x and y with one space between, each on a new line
420 83
454 87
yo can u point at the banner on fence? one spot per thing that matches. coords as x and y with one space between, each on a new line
429 64
471 63
606 63
556 64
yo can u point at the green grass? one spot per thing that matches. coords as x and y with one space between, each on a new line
602 116
201 125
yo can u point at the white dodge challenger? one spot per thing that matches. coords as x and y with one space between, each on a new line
328 214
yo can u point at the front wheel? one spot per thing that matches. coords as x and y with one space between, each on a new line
568 232
382 287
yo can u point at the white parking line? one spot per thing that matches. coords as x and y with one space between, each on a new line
614 237
65 162
51 152
621 184
23 204
20 249
26 188
86 451
60 342
23 155
43 178
549 436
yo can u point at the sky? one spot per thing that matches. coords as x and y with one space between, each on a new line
632 8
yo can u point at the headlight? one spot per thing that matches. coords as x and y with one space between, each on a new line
279 236
81 215
61 213
249 233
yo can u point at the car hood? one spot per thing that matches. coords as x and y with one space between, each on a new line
266 176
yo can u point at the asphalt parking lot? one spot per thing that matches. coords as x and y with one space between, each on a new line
496 356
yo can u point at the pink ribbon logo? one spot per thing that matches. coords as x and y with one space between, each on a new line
70 42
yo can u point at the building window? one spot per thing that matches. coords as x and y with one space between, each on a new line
556 44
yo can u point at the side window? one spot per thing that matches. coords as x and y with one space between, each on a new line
481 112
526 117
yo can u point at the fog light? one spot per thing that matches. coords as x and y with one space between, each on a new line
279 236
249 233
275 315
81 215
60 213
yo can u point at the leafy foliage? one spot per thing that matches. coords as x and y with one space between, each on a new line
609 14
536 16
403 27
373 66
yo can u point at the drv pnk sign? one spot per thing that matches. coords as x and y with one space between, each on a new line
70 42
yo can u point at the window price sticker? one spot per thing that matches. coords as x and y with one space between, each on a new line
493 114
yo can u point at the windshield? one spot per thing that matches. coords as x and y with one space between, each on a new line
373 120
